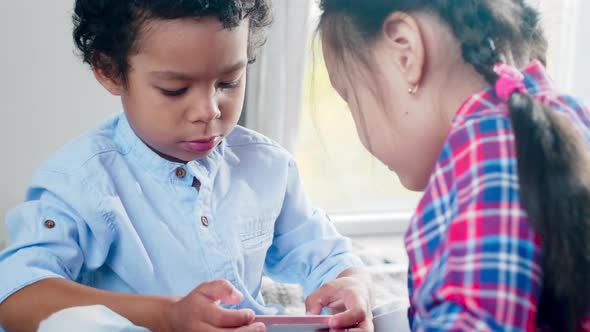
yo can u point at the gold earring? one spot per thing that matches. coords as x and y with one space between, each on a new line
413 89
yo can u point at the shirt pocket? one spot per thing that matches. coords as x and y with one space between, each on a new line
257 233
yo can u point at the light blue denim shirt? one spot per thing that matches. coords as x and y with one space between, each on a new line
108 212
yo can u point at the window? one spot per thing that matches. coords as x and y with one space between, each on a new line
342 177
339 174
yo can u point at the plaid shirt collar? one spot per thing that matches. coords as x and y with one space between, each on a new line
536 82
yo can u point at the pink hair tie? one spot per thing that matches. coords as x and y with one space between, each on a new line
510 80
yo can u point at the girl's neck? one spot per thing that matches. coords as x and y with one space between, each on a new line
461 83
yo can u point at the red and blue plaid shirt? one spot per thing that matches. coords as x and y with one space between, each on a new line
475 260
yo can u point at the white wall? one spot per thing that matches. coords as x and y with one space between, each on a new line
567 29
47 97
581 78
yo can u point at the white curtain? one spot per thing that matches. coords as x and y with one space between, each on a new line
568 29
581 65
275 82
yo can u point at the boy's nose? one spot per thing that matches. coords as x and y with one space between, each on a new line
204 110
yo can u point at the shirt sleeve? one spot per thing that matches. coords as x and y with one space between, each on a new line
306 248
487 272
49 238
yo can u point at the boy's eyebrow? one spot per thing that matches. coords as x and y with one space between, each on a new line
173 75
235 67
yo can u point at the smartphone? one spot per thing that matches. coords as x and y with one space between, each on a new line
310 323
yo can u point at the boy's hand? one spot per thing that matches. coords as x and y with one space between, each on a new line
350 296
199 311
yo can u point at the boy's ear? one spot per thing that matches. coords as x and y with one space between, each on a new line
403 37
105 74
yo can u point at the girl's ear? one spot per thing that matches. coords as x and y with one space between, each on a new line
107 78
403 37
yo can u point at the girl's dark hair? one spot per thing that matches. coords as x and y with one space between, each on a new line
552 158
106 31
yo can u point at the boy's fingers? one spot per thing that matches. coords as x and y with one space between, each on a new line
350 318
257 327
319 299
225 318
314 304
220 290
362 327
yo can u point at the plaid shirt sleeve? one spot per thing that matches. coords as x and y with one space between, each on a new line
475 262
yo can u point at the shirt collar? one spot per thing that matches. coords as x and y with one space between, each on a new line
536 81
132 146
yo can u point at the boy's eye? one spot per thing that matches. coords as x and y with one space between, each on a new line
173 93
229 85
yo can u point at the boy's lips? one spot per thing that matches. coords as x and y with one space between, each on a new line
202 145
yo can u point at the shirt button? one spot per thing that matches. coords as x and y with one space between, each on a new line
180 173
205 221
49 224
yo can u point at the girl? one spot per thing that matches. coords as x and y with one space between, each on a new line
501 239
170 195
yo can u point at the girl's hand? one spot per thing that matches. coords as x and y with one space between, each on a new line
199 311
350 297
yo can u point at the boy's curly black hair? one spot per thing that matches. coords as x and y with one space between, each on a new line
106 31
